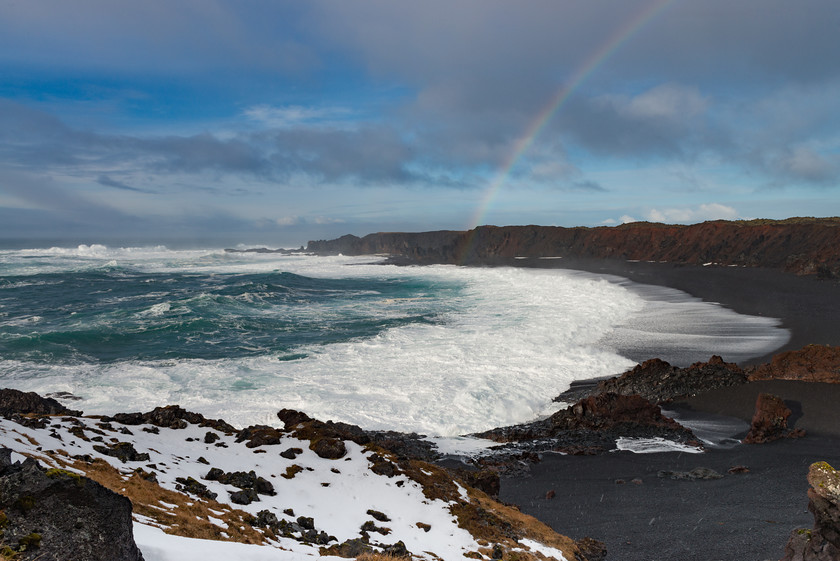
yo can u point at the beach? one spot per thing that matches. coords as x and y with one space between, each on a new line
620 499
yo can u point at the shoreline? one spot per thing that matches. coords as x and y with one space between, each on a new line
806 306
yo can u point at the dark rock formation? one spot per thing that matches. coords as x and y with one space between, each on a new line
696 474
248 481
804 246
658 381
813 363
770 421
124 451
329 448
259 435
822 543
30 403
56 515
171 416
194 487
593 424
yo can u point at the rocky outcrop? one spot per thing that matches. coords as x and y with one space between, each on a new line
171 416
822 543
770 421
593 424
57 515
805 246
30 403
658 381
813 363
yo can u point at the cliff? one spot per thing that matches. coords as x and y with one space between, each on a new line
804 246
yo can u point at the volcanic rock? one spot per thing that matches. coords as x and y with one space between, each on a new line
171 416
658 381
770 421
822 543
813 363
30 403
57 515
594 423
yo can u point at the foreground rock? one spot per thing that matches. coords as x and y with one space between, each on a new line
57 515
770 421
822 543
814 363
593 424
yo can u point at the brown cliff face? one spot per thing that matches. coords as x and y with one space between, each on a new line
805 246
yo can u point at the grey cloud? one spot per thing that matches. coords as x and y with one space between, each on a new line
108 181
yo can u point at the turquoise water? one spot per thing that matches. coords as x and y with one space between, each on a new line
118 314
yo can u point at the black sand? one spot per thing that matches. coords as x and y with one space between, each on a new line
743 517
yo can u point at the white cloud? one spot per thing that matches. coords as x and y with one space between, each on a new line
711 211
288 220
626 219
292 115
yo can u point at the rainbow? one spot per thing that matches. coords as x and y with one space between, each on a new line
543 117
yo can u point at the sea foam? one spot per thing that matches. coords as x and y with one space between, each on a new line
501 347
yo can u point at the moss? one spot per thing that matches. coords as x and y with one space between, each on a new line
25 503
4 520
31 541
55 473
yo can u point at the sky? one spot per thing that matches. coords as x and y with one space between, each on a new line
278 122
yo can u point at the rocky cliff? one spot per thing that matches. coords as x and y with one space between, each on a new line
805 246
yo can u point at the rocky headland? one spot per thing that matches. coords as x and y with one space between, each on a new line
804 246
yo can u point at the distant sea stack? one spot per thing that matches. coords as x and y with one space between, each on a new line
804 246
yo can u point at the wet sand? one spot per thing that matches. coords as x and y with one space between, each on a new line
741 517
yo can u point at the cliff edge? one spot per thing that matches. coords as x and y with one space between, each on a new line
804 246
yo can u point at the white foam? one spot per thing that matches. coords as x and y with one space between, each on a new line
654 445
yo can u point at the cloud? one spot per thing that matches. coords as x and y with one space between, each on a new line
108 181
711 211
295 115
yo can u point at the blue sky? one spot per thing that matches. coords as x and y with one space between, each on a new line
275 122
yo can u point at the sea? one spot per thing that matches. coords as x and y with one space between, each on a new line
440 350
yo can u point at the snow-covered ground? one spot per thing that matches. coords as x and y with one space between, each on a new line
340 495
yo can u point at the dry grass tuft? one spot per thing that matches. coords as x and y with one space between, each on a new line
189 518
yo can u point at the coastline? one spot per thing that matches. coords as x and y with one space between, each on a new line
806 306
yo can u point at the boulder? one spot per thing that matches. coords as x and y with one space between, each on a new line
822 543
171 416
770 421
30 403
57 515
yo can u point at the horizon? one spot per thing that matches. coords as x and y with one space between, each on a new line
284 123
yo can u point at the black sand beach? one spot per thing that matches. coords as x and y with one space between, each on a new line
741 517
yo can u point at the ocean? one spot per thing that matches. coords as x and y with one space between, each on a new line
440 350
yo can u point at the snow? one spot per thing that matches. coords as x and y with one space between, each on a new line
337 494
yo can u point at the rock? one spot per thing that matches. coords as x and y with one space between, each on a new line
329 448
243 480
350 549
291 453
124 451
592 549
194 487
594 423
381 516
658 382
396 550
698 473
292 418
30 403
259 435
211 437
738 469
486 480
244 497
813 363
769 421
171 416
822 543
61 516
